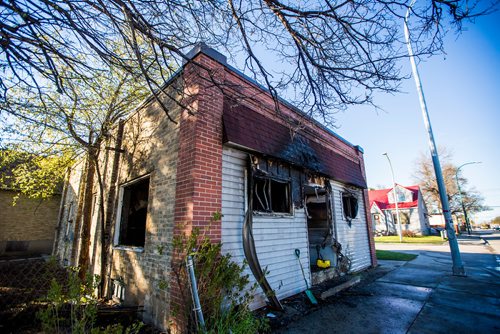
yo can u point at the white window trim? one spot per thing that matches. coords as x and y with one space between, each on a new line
116 239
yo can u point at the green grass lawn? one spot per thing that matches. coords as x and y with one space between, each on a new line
395 256
428 239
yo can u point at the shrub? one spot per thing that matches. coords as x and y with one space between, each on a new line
409 234
70 305
220 282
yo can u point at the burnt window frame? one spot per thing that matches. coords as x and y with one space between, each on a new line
348 215
270 180
119 243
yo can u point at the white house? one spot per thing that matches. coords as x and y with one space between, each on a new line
412 210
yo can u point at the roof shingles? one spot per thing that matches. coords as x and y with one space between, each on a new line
245 127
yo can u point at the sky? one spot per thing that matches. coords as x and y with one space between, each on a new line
462 91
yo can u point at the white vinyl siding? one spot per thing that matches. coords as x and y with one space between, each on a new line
276 236
354 238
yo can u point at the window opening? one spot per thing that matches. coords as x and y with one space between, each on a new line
133 213
350 206
319 228
400 195
403 217
271 195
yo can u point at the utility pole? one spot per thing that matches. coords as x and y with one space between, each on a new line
398 219
458 267
467 223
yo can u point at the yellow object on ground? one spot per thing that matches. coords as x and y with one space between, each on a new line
323 263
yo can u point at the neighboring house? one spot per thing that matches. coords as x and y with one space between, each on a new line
230 153
411 205
436 221
27 228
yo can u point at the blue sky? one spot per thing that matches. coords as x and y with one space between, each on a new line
462 91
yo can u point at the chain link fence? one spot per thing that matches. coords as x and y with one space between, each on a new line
24 283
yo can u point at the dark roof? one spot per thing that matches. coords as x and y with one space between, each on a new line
220 58
245 127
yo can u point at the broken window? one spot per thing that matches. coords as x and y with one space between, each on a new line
134 207
271 195
350 205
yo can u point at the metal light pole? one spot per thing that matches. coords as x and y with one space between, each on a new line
467 223
458 267
398 222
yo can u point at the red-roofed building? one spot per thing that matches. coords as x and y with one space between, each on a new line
412 210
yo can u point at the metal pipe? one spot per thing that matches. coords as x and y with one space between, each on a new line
467 223
398 222
458 267
194 293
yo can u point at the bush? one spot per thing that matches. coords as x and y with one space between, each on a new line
70 306
220 282
409 234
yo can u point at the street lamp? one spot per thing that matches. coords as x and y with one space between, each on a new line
458 267
467 223
398 220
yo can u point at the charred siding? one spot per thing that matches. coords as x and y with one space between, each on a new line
276 237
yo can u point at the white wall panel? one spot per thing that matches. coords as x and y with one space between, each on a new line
276 237
354 238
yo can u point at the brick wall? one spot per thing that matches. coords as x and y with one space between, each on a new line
30 224
369 223
199 169
150 147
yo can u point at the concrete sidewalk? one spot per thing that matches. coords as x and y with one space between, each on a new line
420 296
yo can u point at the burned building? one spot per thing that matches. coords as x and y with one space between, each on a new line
281 182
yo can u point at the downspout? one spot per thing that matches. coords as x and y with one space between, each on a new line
250 251
194 293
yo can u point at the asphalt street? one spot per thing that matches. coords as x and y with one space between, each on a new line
420 296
